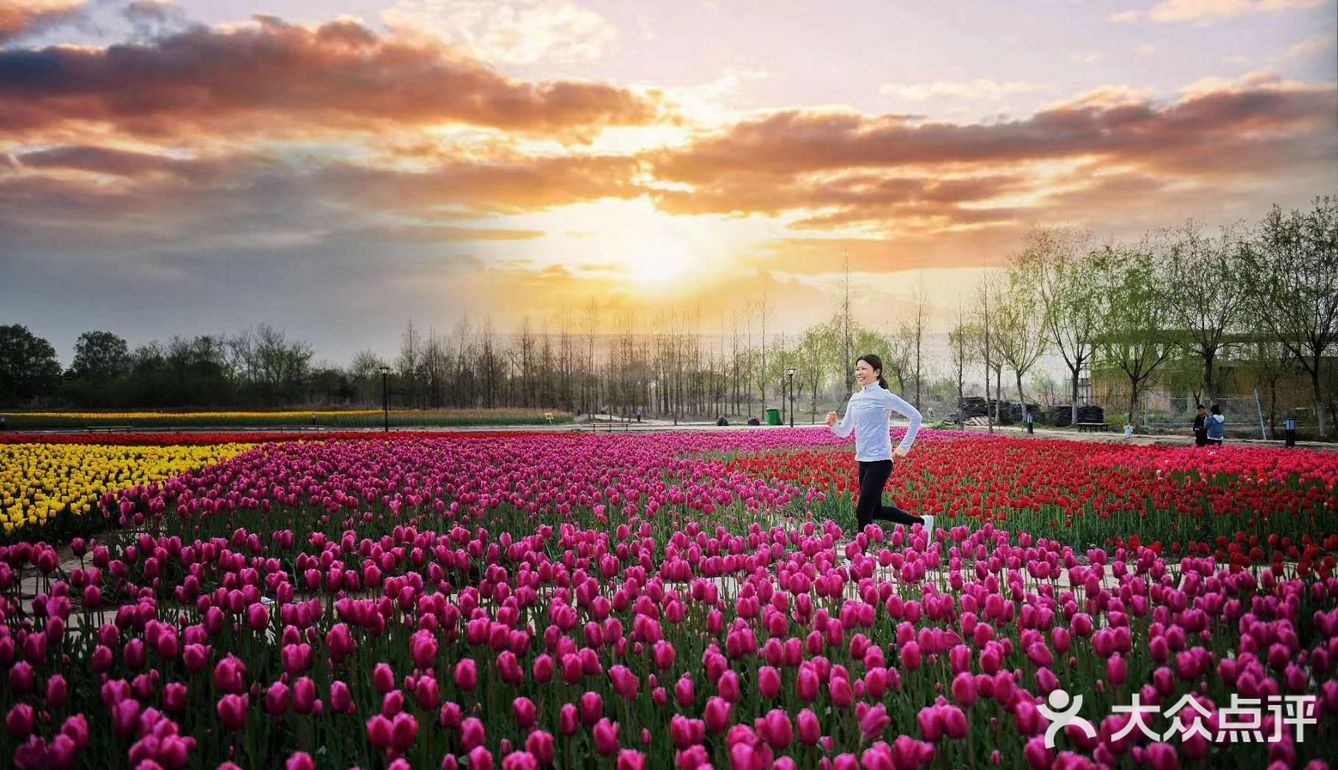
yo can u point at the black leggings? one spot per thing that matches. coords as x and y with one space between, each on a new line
873 476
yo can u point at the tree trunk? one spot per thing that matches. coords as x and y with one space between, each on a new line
1019 390
1208 357
1319 400
1074 395
998 391
1133 399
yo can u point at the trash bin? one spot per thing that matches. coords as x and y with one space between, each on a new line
773 417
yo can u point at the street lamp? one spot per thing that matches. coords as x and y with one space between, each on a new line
790 373
385 398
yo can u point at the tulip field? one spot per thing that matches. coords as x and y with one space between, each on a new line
683 600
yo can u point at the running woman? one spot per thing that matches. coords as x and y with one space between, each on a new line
867 414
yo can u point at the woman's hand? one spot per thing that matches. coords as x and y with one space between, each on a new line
831 419
899 452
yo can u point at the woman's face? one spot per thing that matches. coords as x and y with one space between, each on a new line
865 374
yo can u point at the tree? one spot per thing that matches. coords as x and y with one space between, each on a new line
1291 269
1020 333
28 365
409 363
898 360
282 368
100 356
818 353
988 298
1057 261
1132 317
1202 297
960 342
846 329
364 372
1267 361
912 336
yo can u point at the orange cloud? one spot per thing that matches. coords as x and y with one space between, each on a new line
846 169
23 17
276 79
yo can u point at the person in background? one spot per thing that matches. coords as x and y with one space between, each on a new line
1201 426
1216 426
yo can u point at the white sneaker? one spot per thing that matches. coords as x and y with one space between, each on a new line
929 529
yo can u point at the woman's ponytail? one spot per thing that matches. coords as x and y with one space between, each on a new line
882 383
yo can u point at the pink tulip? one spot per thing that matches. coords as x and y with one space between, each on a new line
232 710
872 724
717 715
540 744
525 712
472 733
606 737
277 699
809 729
466 674
964 689
20 721
779 729
569 719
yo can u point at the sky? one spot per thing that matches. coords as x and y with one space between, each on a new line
337 169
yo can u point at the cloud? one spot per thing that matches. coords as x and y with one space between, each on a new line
271 78
1208 11
25 17
979 88
152 19
513 32
1319 45
841 170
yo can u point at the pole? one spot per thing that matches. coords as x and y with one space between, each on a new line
385 403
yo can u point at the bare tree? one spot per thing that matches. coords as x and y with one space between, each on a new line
408 363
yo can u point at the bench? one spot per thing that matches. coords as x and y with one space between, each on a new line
1083 427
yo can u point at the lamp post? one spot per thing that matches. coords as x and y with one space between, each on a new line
385 399
790 374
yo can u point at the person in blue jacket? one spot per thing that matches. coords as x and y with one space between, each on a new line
867 414
1216 426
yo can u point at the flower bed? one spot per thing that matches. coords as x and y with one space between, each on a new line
621 602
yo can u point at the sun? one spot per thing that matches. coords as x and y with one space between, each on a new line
655 263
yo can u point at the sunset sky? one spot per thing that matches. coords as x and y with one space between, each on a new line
337 168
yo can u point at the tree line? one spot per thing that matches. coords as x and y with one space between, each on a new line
1165 308
1175 302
